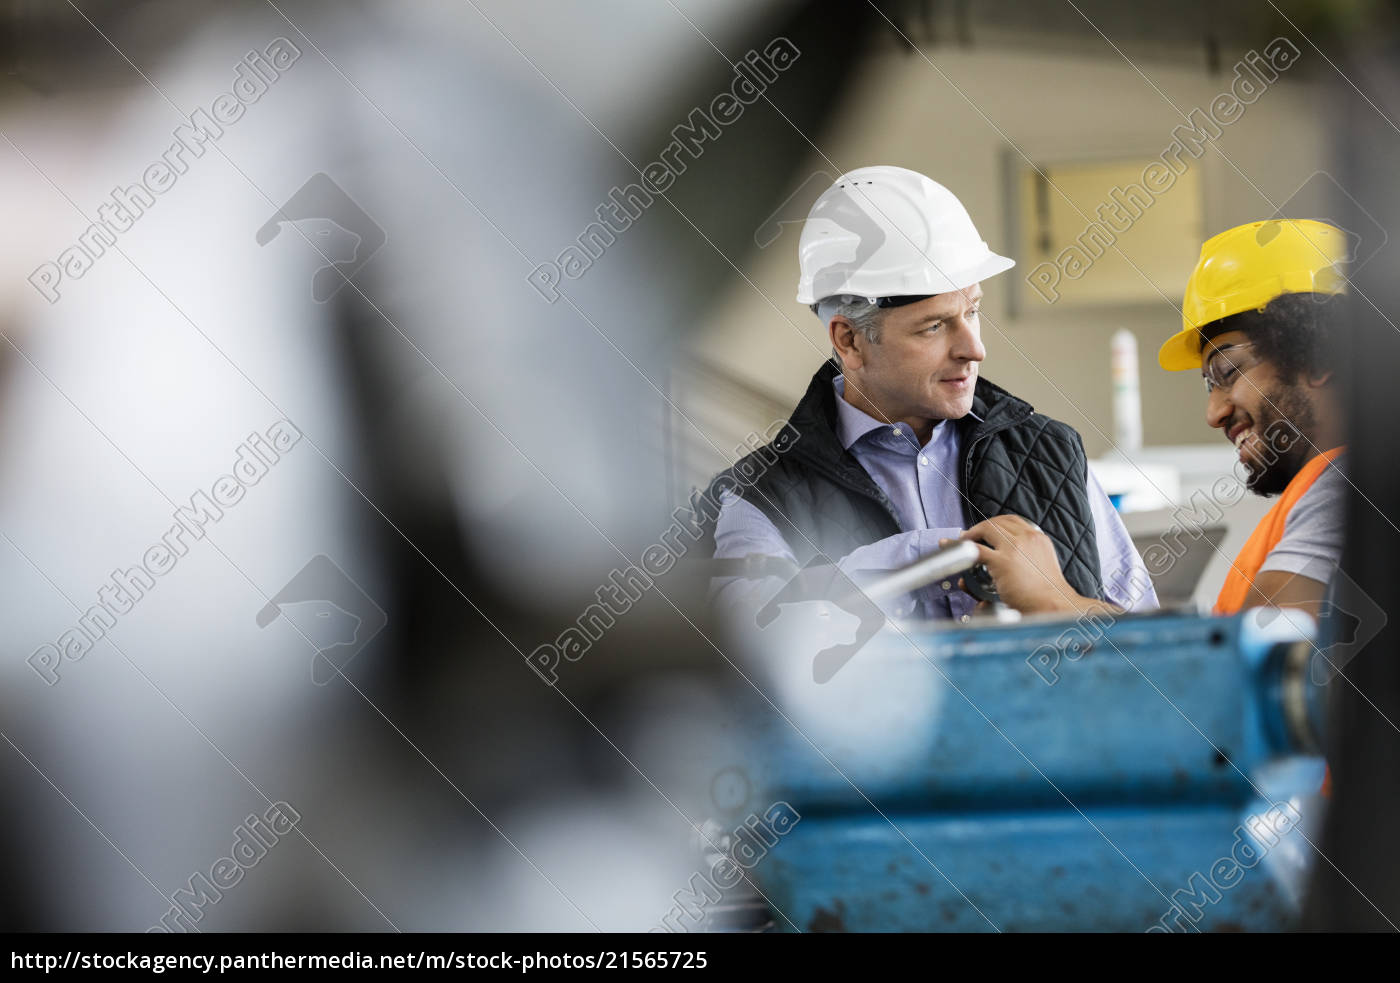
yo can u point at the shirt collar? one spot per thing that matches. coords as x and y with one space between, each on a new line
853 424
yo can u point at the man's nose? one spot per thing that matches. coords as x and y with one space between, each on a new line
1219 408
967 341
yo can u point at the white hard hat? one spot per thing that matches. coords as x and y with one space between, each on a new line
890 232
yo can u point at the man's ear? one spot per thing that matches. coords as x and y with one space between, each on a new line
1319 380
844 340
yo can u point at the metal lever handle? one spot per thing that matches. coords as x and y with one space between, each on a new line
941 565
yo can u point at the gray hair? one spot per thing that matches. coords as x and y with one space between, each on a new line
864 316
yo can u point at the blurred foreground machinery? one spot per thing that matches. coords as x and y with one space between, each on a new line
1157 773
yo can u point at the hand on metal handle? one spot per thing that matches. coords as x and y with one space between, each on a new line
978 582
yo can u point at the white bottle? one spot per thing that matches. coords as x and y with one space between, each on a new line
1127 397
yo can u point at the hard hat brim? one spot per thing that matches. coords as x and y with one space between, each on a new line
989 267
1182 351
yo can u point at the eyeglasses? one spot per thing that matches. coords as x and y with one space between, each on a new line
1221 372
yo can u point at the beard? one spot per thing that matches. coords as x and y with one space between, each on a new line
1288 419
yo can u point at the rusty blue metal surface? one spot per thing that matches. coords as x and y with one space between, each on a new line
946 784
1107 870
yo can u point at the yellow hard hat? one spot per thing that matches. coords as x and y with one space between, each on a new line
1244 268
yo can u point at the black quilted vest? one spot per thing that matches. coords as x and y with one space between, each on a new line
1013 460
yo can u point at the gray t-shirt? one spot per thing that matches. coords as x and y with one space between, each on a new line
1312 533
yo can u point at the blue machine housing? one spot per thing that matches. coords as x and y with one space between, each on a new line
1042 776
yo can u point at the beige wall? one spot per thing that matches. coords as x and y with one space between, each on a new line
904 112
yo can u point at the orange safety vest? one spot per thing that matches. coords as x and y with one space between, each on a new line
1267 534
1260 544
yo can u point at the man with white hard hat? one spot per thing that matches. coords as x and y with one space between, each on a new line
899 444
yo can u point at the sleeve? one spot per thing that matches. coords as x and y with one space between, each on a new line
1126 581
1314 530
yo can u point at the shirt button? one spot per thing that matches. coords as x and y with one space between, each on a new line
923 460
897 432
965 618
947 585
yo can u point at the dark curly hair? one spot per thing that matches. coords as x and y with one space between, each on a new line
1298 333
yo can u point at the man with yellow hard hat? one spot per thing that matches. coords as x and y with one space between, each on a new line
1261 318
